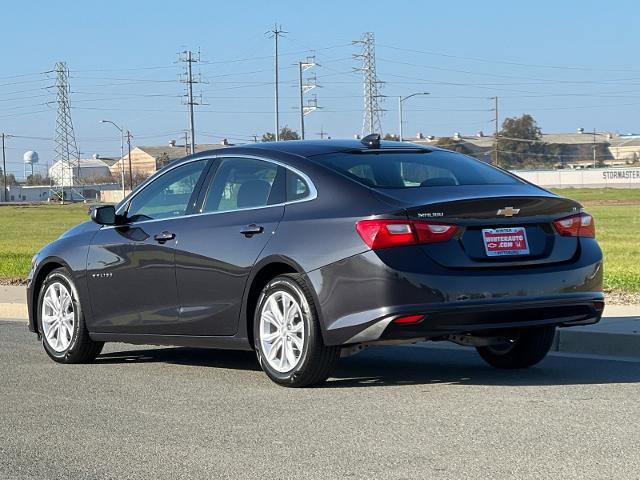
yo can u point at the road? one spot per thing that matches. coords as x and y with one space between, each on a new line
394 412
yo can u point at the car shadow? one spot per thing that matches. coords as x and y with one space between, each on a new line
199 357
409 365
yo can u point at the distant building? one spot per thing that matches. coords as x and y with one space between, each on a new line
88 169
146 160
575 150
43 193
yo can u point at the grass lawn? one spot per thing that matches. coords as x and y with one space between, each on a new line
617 215
25 229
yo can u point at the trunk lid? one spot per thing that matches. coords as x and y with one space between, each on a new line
485 215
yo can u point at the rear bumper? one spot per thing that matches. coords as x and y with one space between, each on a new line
479 319
359 297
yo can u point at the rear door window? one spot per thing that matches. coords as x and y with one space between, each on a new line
241 183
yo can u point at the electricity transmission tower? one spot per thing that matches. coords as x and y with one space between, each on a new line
66 149
371 120
306 86
188 58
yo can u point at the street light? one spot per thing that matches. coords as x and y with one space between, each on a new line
402 99
121 153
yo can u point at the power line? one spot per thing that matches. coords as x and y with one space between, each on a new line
505 62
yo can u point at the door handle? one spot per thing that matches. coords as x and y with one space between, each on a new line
164 237
251 230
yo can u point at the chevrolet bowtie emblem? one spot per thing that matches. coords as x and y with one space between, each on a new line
508 211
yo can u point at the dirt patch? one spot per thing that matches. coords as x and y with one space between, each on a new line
13 282
622 298
610 201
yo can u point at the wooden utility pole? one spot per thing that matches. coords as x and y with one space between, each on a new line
4 171
495 136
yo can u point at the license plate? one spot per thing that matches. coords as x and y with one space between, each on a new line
505 241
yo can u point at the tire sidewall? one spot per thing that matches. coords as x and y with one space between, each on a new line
61 276
308 317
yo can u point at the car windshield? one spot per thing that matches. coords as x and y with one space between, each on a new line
414 169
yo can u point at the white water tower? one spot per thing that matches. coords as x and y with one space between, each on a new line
30 159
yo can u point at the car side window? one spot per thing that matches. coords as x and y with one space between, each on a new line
297 187
168 196
244 183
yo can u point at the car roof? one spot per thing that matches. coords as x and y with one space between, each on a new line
307 148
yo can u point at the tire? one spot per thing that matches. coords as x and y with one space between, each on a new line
531 346
64 336
300 359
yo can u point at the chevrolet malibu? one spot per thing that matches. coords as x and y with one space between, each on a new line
306 251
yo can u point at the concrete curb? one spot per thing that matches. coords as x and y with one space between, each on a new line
14 311
574 340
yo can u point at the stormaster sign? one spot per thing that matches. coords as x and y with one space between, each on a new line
625 174
588 177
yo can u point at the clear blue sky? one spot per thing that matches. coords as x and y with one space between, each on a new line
569 64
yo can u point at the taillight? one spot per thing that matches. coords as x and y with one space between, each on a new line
579 225
392 233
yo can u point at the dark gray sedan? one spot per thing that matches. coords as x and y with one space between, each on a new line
308 250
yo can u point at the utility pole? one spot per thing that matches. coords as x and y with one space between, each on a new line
189 59
322 133
495 136
186 142
304 88
129 157
255 138
276 32
371 120
401 100
4 171
594 149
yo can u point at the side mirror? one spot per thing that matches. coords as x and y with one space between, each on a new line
104 215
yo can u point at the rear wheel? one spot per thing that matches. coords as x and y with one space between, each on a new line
64 335
528 349
287 335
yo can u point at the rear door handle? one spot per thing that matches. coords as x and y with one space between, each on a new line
251 230
164 237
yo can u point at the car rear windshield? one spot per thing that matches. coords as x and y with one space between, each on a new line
414 169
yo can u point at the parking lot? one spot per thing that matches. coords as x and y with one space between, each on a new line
395 412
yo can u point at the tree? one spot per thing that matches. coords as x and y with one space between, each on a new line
285 134
11 180
518 142
162 160
391 136
451 144
138 178
38 179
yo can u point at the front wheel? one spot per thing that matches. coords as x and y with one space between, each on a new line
287 335
64 335
527 349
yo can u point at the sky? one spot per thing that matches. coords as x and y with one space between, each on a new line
569 64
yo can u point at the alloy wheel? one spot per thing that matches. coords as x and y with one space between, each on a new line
281 331
58 317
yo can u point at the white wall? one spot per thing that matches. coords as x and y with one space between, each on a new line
589 178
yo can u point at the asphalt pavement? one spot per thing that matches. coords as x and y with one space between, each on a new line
393 412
